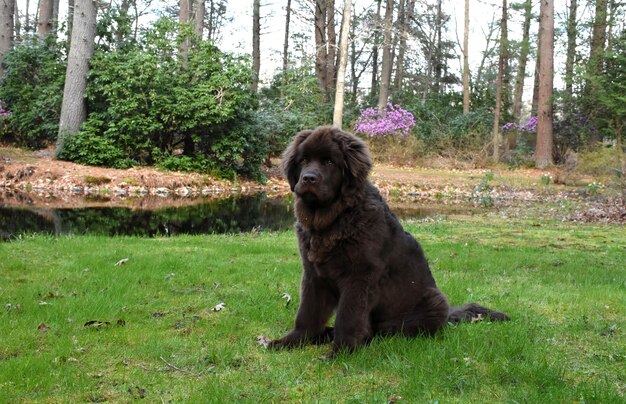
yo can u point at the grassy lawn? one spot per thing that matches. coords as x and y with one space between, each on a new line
74 327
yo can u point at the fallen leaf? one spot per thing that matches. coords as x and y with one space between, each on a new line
121 322
43 303
43 327
121 262
287 297
263 341
218 307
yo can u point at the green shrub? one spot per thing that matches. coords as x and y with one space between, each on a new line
87 148
32 89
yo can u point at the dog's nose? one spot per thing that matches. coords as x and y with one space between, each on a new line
309 178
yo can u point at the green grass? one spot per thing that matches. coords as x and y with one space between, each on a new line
564 286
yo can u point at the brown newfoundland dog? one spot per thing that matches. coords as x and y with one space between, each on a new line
358 261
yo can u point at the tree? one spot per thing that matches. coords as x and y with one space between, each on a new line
198 17
596 61
375 47
286 41
44 22
570 57
6 29
184 16
404 18
499 85
385 75
256 43
466 73
74 107
325 44
343 61
518 91
543 149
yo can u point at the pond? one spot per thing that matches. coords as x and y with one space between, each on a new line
234 214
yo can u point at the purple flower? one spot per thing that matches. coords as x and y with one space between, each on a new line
529 126
3 111
394 121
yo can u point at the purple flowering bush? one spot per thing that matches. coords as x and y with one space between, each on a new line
530 126
394 121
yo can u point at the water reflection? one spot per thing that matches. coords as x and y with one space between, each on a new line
230 215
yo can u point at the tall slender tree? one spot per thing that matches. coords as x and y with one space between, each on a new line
7 11
499 85
518 91
385 75
596 62
74 106
256 44
466 72
184 16
286 40
343 62
199 12
44 21
543 149
570 56
375 47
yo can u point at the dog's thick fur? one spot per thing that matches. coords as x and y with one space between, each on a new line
357 259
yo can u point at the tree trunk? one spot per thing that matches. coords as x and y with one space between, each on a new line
534 109
466 72
374 82
596 61
343 62
331 38
184 15
405 22
523 60
256 44
74 106
570 58
385 74
320 45
44 22
499 85
70 21
286 41
198 18
543 149
7 20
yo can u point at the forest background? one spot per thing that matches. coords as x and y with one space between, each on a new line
128 82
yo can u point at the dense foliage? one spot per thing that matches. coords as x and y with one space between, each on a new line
32 89
146 108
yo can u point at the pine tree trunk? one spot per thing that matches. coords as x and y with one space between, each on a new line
74 106
343 62
320 45
523 60
198 18
496 119
184 15
466 72
44 22
374 83
7 12
385 74
256 44
331 47
543 149
596 60
286 40
570 57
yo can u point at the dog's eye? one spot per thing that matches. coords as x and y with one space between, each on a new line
328 162
304 160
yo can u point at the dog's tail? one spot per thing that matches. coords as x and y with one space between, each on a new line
474 312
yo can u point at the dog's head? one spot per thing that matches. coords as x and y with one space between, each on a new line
325 165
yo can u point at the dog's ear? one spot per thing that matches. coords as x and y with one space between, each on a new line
289 163
356 155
